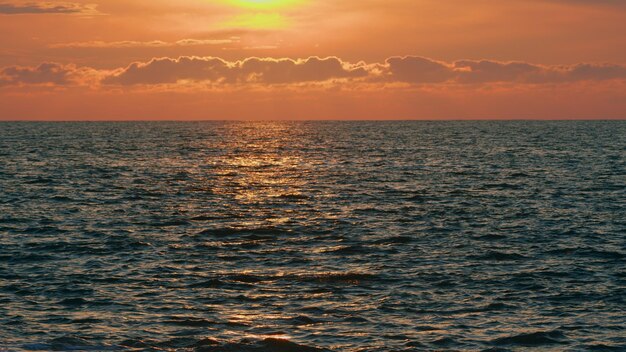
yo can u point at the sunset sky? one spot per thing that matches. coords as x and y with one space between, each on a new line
305 59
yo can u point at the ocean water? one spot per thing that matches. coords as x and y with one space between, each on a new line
313 236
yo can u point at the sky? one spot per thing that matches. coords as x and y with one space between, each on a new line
306 59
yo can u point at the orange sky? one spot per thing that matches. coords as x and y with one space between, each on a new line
305 59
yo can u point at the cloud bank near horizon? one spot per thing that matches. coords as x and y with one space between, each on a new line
411 70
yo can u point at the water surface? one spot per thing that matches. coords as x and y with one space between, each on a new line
307 236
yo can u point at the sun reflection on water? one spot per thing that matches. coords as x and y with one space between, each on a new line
264 173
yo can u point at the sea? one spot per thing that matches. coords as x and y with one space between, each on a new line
313 236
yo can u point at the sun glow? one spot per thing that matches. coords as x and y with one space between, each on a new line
263 4
258 21
261 14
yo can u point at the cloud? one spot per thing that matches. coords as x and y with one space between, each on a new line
485 71
146 44
595 72
415 69
47 73
167 70
52 74
293 71
46 8
419 70
251 70
411 70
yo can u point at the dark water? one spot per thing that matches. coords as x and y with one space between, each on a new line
400 236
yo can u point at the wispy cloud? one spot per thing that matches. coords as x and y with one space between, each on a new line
146 44
46 8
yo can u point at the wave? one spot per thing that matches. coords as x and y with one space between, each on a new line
606 348
303 320
189 322
349 250
267 345
588 252
236 231
293 196
395 240
69 343
533 339
336 278
500 256
214 345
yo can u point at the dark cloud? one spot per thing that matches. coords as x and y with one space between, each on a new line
595 72
289 71
520 72
419 70
415 69
485 71
47 73
252 70
167 70
44 8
